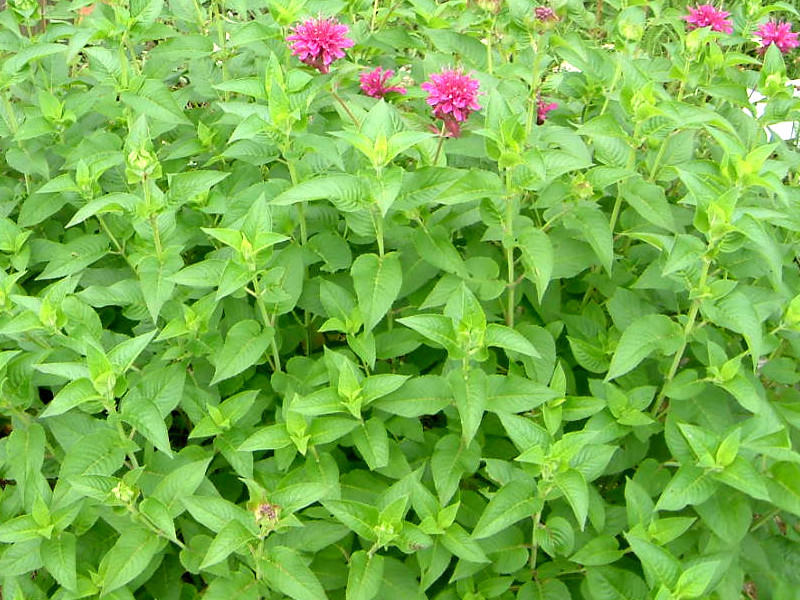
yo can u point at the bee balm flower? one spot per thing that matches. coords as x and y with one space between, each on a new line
705 15
373 83
453 96
780 34
542 108
318 42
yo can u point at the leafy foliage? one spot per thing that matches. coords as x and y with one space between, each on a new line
264 336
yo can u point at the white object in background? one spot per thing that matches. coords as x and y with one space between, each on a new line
787 130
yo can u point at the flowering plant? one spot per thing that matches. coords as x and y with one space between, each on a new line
318 42
452 96
264 334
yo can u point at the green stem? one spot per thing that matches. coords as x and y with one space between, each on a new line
156 236
629 166
439 145
346 108
268 321
660 155
508 241
375 6
687 331
533 105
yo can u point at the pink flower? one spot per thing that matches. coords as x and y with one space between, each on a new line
705 15
453 96
544 14
542 108
780 34
318 42
373 83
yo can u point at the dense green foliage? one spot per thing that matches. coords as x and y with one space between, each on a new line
264 336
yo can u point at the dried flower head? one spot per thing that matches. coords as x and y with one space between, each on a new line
453 96
780 34
266 513
705 15
373 83
318 42
542 108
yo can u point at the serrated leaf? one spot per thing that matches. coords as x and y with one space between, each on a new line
144 415
512 502
287 573
377 281
244 345
129 557
436 328
689 485
58 556
509 339
576 491
230 539
364 576
538 258
470 397
638 341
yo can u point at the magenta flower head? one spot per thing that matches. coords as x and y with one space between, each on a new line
318 42
542 108
373 83
544 14
705 15
453 96
780 34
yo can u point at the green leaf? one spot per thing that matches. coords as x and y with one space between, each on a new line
452 458
609 583
695 582
602 550
436 328
159 516
461 545
784 486
434 246
58 556
155 283
216 513
737 313
689 485
287 573
364 576
638 341
576 491
513 394
180 483
538 257
372 442
244 345
346 192
71 395
271 437
144 416
377 281
512 502
359 517
470 396
425 395
230 539
594 227
649 201
130 556
509 339
660 567
741 475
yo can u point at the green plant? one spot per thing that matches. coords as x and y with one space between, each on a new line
263 335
